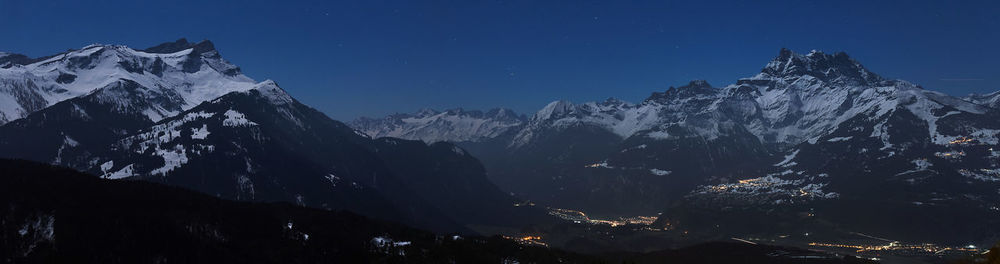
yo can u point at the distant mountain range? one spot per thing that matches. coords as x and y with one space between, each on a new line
811 134
454 125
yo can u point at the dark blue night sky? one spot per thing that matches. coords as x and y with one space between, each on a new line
378 57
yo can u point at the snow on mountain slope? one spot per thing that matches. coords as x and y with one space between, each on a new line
258 145
454 125
563 114
802 97
263 145
990 99
714 137
689 110
848 132
173 77
178 138
795 98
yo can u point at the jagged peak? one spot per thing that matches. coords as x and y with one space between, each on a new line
691 89
203 47
180 45
554 108
614 101
502 112
494 113
7 59
267 89
270 90
827 67
169 47
696 84
459 111
424 112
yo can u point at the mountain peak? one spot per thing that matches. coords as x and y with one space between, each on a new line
827 67
9 59
554 109
425 112
693 88
203 46
458 111
455 125
613 101
270 90
182 44
697 84
502 113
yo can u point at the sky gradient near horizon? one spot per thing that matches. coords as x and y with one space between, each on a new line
372 58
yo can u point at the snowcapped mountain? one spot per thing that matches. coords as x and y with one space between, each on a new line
802 97
795 98
822 105
258 145
61 107
168 78
613 155
810 130
262 145
454 125
179 114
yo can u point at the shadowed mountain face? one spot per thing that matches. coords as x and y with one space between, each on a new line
179 114
55 215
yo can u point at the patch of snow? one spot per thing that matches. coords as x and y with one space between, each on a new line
70 142
300 200
172 159
634 148
787 162
881 131
458 150
362 134
105 167
236 119
659 172
838 139
603 164
121 173
333 179
382 241
922 164
37 229
245 187
986 175
200 133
